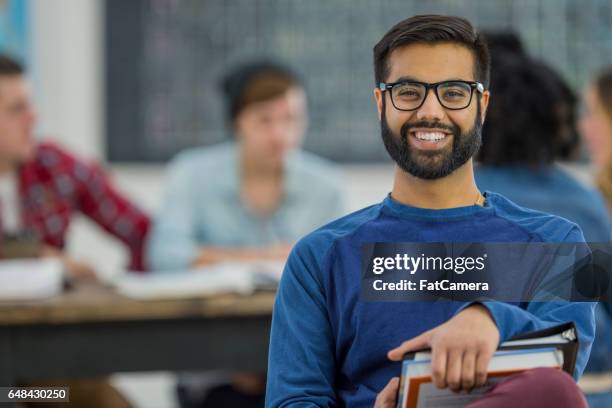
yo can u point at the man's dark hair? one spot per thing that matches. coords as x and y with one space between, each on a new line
9 66
432 29
530 118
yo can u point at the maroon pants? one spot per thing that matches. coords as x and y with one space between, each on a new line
537 388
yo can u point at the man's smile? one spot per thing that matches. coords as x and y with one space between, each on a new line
429 139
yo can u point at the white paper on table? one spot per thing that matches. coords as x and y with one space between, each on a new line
265 272
227 277
30 279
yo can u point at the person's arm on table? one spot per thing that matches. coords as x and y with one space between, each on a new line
301 367
98 199
173 243
86 187
209 254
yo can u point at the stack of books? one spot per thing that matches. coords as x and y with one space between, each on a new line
553 347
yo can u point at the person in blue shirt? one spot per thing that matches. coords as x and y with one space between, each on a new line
519 160
248 199
328 347
521 149
252 197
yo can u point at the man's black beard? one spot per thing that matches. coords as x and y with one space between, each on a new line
431 165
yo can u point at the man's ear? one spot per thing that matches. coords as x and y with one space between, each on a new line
484 104
378 95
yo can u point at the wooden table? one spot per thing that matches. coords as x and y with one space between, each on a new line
91 330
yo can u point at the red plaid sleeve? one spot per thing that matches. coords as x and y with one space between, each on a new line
85 187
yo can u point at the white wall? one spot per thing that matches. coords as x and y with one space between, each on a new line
67 70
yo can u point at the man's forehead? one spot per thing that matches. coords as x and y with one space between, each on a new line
431 62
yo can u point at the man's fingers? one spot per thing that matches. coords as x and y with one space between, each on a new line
482 365
387 398
416 343
438 367
453 369
468 369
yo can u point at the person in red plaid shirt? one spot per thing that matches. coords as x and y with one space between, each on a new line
42 186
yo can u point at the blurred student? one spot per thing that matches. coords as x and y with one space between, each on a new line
519 150
249 198
42 186
596 128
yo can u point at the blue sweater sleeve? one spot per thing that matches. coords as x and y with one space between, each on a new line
512 320
301 366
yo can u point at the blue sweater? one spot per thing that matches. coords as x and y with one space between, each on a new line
328 348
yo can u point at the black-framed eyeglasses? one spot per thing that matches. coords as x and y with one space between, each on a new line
411 95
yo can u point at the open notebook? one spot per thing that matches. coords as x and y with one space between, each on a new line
221 278
30 279
553 347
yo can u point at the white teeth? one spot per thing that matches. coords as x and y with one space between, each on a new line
430 136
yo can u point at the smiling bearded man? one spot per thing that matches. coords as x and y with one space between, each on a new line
331 347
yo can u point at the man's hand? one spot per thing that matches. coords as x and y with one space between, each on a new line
461 349
387 398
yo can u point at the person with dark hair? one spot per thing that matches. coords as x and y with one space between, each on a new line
43 186
519 156
329 346
530 125
250 198
247 199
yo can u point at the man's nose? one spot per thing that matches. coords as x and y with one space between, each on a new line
431 108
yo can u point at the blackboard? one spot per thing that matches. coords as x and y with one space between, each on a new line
164 59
